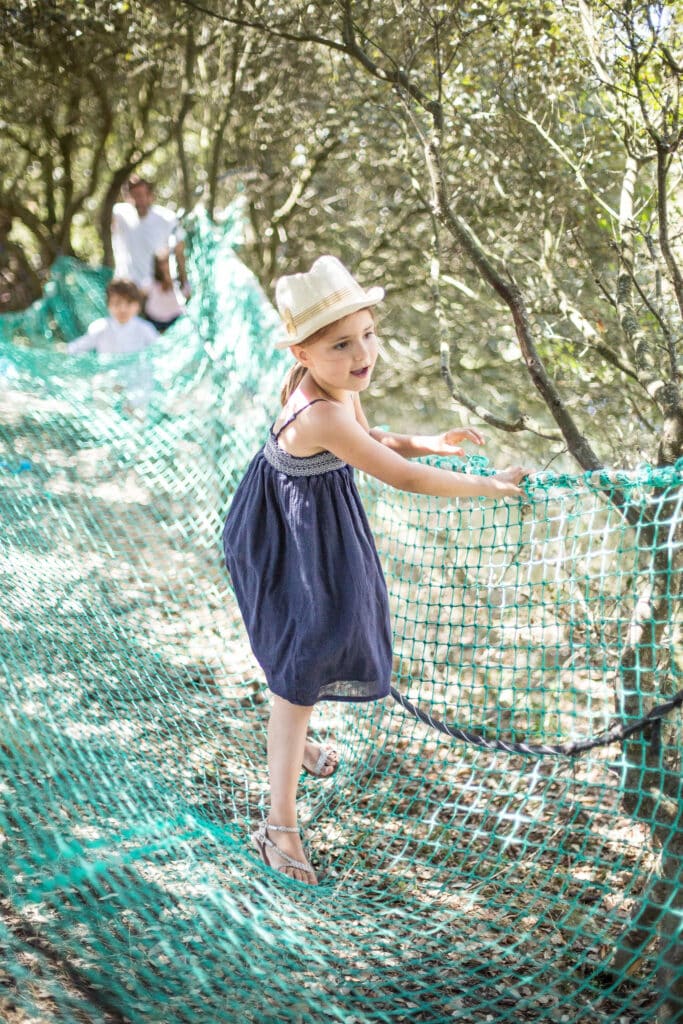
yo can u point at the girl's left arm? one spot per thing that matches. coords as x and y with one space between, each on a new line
413 446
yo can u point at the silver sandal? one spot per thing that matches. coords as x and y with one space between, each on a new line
324 758
263 843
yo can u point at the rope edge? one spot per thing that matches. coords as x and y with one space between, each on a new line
614 735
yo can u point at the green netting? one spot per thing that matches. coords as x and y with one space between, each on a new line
460 878
73 298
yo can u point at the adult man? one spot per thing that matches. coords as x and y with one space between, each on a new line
139 229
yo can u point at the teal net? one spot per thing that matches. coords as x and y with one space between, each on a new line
479 858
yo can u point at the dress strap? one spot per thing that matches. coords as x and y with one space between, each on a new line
292 418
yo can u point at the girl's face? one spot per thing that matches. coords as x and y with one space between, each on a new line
343 357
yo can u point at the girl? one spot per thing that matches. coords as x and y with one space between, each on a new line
165 302
297 542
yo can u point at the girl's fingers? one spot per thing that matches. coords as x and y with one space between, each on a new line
464 434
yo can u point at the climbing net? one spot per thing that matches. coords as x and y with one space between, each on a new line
502 840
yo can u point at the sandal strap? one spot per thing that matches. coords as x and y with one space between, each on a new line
290 862
322 760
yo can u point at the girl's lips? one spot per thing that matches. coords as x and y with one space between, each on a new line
362 372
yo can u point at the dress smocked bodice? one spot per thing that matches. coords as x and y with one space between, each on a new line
299 465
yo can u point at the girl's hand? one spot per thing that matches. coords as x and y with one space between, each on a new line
448 443
507 481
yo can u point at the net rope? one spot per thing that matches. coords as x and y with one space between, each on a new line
460 880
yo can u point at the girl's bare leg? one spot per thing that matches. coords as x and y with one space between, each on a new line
286 743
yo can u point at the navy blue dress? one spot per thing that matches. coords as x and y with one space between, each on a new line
307 578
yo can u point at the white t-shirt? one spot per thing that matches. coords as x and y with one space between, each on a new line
108 337
135 240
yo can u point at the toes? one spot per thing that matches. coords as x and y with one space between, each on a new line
331 762
314 753
298 875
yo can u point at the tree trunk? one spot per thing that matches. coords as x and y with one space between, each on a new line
652 782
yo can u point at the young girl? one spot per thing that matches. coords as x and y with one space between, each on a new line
297 542
165 302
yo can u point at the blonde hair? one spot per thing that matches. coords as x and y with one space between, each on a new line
297 372
291 382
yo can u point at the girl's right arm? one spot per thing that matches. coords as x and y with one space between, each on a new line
330 427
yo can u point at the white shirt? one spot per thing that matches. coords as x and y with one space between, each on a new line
108 337
135 240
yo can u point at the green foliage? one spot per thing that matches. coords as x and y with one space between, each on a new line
323 116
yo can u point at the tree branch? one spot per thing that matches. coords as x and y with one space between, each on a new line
269 29
463 399
186 104
664 392
308 173
578 174
511 294
663 217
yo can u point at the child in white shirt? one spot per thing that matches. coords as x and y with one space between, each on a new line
123 331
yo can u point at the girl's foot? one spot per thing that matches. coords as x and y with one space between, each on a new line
320 761
286 854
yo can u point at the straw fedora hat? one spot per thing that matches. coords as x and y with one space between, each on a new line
307 302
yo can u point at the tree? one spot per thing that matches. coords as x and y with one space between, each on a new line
87 91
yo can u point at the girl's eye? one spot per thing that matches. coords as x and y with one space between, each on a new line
341 345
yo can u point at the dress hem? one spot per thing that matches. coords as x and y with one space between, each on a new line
341 698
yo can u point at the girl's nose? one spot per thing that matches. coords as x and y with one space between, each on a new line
361 350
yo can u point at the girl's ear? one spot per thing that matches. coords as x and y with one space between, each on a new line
300 353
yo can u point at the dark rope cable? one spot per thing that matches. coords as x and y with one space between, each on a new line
614 735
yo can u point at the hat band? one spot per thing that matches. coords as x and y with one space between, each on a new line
333 299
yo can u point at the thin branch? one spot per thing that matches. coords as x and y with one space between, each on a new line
9 132
509 426
578 174
663 212
640 415
396 76
281 215
261 26
593 338
460 397
664 392
669 59
186 104
610 356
